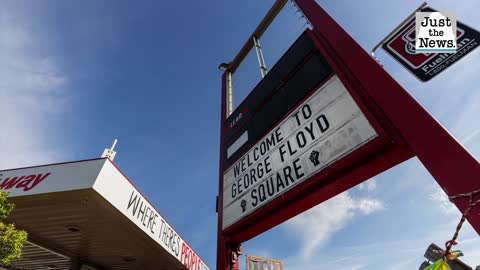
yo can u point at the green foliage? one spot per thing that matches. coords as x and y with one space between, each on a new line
5 206
11 239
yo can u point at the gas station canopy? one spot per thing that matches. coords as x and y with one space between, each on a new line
88 215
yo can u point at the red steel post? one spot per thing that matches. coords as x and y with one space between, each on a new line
452 166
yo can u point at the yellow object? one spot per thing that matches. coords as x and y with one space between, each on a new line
438 265
442 264
454 255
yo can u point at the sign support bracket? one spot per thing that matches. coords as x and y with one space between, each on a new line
395 31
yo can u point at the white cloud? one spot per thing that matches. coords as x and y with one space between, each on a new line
317 225
368 206
369 185
404 253
31 95
441 199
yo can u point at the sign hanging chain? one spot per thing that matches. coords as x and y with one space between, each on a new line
471 205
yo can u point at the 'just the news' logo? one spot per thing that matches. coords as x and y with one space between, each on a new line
436 32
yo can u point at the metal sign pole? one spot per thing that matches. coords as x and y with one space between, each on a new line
227 252
221 245
229 94
261 61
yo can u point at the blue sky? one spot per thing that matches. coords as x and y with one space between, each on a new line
76 75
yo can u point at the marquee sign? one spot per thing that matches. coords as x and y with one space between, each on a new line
296 74
299 120
312 129
324 128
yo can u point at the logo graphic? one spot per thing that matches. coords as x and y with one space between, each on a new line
409 51
435 32
314 157
404 47
243 204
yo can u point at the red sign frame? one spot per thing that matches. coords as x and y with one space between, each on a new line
405 130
